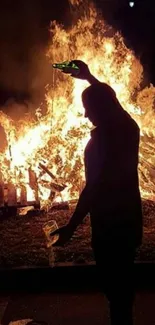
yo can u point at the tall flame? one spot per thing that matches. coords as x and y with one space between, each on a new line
58 137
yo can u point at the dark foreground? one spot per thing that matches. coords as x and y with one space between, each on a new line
68 295
70 308
67 277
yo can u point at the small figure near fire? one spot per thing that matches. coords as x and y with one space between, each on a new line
111 194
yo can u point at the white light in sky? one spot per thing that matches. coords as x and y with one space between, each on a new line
131 4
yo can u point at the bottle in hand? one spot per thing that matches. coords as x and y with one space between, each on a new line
67 67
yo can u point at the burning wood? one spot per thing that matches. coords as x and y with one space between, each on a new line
1 195
23 196
46 170
54 186
57 187
12 195
33 183
52 196
10 198
59 206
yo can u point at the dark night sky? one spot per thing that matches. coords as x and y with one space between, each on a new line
24 36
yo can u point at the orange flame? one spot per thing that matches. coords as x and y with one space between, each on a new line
58 137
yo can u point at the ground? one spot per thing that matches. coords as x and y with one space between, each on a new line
22 241
70 308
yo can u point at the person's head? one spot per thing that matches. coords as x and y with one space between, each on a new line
100 103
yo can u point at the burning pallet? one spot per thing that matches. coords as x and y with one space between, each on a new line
13 197
17 197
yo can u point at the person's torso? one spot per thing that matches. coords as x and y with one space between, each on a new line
111 161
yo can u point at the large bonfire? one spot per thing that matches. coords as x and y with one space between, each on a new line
55 141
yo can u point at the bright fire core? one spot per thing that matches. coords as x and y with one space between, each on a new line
57 139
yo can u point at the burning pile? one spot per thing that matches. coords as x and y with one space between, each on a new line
50 146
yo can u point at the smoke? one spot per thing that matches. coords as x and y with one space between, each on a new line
24 36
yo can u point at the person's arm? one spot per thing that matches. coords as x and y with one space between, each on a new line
92 80
84 72
87 197
81 209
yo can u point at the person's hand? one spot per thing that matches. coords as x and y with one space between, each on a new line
82 73
65 233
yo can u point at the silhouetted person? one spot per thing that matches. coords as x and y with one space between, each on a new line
111 196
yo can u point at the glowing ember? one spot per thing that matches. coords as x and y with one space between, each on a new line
57 138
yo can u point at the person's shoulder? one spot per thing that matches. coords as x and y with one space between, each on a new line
132 130
135 126
131 121
104 88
